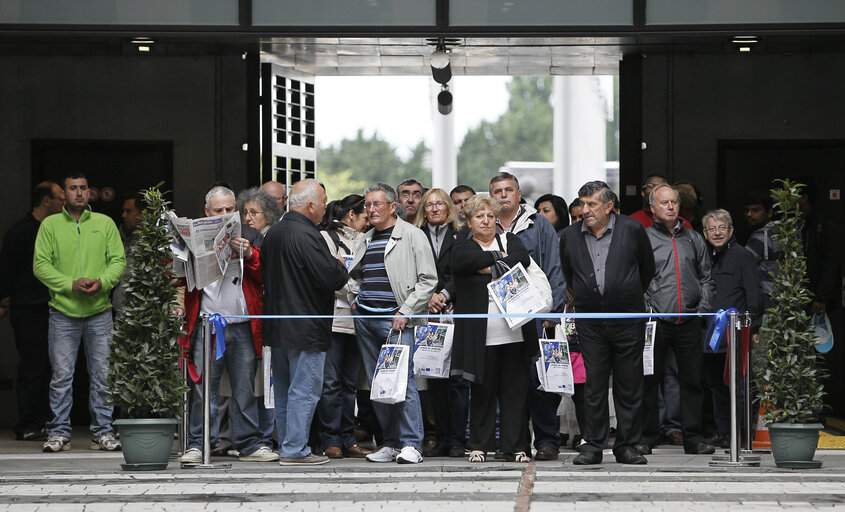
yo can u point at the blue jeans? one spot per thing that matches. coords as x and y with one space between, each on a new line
65 335
297 381
400 423
336 410
239 359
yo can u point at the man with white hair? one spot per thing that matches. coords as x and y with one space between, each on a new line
300 278
232 294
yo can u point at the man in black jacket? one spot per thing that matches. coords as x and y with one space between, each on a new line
607 263
300 277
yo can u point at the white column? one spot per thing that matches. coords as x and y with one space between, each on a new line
580 114
444 154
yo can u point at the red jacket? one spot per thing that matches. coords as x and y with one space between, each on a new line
254 295
646 218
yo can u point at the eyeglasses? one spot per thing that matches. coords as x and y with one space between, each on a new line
717 229
253 213
432 206
375 204
405 194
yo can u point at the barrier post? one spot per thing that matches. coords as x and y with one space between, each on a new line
184 426
747 386
207 358
734 458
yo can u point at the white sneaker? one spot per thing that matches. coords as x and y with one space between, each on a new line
262 454
409 455
192 456
56 444
105 442
386 454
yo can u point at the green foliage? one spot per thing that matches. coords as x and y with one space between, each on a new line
356 163
144 375
523 132
791 374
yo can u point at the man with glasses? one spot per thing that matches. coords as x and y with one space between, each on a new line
681 284
25 299
737 286
410 194
395 274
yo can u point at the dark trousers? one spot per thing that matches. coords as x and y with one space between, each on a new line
714 368
685 340
542 406
450 401
336 409
615 347
30 326
505 380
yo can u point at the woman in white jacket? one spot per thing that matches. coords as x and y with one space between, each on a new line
342 227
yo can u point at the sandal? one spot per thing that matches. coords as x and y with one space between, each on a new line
521 457
477 456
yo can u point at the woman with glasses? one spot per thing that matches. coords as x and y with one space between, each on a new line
737 286
449 397
258 209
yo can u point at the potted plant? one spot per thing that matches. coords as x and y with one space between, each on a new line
144 377
790 379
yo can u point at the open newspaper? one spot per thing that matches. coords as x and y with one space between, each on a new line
515 293
201 247
554 367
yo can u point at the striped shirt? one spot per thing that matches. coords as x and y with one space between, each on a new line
375 294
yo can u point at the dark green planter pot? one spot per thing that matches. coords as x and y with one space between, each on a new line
146 443
794 444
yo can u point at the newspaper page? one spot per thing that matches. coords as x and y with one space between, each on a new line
433 350
555 367
648 348
513 293
204 245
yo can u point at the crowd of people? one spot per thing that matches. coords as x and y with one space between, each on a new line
377 262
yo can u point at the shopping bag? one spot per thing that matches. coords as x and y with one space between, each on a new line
554 368
579 372
390 379
823 332
433 350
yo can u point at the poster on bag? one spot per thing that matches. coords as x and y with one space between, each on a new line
514 293
433 350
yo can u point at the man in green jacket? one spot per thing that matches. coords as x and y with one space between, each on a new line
79 258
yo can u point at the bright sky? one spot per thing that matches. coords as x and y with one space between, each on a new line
399 108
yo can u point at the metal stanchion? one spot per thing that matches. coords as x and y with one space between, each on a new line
734 458
184 427
206 401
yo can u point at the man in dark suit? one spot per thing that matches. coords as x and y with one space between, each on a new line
300 277
449 397
608 264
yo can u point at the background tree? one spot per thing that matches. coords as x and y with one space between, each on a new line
523 132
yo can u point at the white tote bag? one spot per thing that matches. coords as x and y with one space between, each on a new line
433 350
390 379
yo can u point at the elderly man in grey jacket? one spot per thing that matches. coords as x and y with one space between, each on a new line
681 284
395 274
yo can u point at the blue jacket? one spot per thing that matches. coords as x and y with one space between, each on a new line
538 236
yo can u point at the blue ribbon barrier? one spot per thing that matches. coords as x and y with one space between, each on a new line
717 327
219 323
544 316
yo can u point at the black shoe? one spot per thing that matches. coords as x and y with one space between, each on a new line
630 455
576 443
437 450
457 452
701 448
32 435
587 458
720 440
546 453
643 448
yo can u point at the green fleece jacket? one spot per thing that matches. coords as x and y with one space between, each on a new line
67 249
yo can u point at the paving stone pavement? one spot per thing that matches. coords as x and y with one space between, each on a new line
84 480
